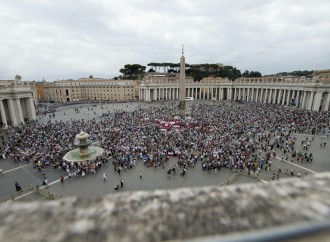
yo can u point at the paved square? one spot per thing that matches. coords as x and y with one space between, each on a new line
206 138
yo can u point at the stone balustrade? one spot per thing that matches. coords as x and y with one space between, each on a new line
176 214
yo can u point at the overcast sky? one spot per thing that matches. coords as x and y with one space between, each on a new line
70 39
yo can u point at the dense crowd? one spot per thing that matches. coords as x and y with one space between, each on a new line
226 135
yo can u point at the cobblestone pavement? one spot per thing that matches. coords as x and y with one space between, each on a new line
93 185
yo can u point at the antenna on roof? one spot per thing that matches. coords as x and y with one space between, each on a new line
182 50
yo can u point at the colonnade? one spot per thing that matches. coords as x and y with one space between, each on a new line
309 98
16 110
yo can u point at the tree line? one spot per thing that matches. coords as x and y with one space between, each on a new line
197 71
295 73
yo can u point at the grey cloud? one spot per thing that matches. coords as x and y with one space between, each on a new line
71 39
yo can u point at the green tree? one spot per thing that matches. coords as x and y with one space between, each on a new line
133 71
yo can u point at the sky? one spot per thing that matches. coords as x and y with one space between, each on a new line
70 39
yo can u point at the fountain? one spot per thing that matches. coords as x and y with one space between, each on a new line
85 150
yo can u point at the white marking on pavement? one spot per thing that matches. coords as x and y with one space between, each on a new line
43 187
54 182
4 172
291 163
301 167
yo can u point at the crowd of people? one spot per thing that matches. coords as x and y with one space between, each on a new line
225 135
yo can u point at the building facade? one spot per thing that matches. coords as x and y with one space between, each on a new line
40 89
90 89
17 102
310 93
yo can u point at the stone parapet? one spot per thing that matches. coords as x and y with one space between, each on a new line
180 214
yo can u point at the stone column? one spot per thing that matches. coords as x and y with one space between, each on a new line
302 104
281 101
310 101
274 96
31 108
3 114
270 95
298 97
288 99
326 102
19 111
272 92
284 96
267 93
277 96
280 96
317 101
293 95
12 112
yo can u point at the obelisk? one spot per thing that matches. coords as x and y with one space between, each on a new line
182 86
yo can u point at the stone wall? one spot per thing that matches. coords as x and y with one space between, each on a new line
170 214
